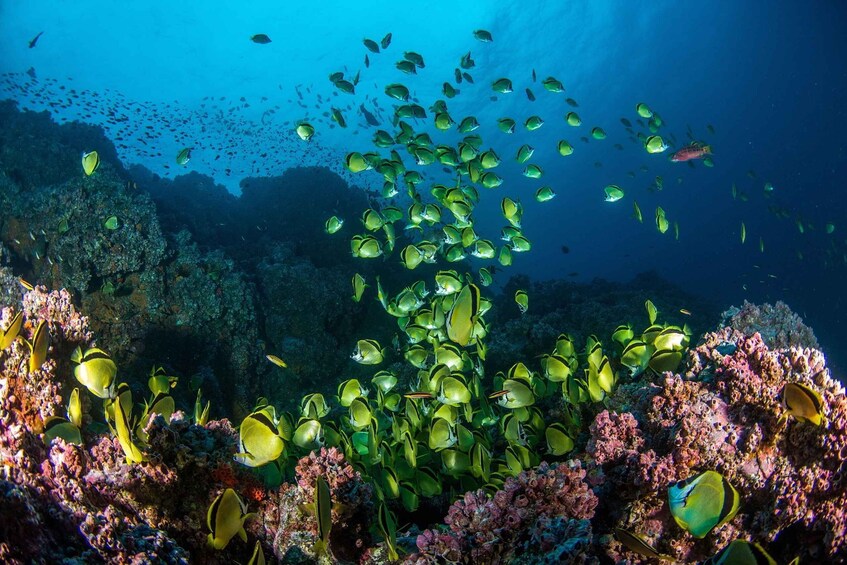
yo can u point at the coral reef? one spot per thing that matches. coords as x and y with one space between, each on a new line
485 529
293 529
778 325
724 413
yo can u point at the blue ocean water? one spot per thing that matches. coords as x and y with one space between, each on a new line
768 77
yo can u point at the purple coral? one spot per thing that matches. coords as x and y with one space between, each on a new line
725 414
351 516
487 529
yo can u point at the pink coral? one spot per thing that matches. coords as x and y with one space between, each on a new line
725 414
489 529
56 307
613 436
351 516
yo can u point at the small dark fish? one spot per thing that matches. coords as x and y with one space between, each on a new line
260 38
370 118
573 274
530 95
566 249
34 40
367 61
386 41
533 75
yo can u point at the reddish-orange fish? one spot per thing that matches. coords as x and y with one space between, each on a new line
694 150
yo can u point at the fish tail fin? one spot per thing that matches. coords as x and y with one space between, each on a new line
319 548
707 150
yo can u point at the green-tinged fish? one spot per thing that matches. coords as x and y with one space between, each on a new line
259 440
443 121
565 148
490 180
522 300
225 519
655 144
635 356
533 171
483 249
11 333
502 85
803 402
449 90
652 311
573 119
463 315
333 224
323 515
372 220
512 211
276 360
345 86
598 133
58 427
359 286
338 117
524 153
407 67
112 223
416 58
489 159
636 543
397 91
506 125
123 430
367 352
544 194
636 212
485 278
505 256
260 38
643 110
90 162
483 35
356 162
558 440
75 409
552 85
468 125
466 62
258 557
533 123
703 502
160 381
385 41
96 371
184 156
662 223
572 103
411 256
743 233
372 45
201 411
613 193
304 131
742 552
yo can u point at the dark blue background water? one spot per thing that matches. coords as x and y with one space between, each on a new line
769 77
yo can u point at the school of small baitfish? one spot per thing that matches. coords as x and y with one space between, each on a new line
449 429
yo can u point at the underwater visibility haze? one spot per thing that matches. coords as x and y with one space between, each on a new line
468 282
